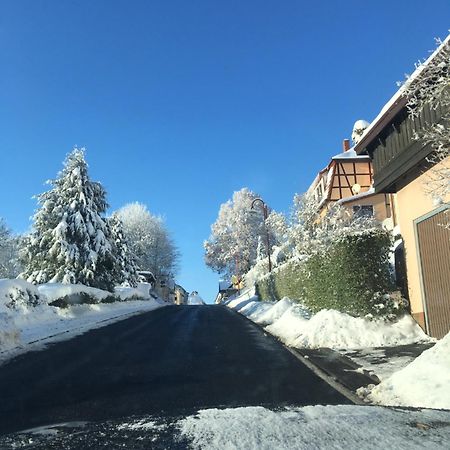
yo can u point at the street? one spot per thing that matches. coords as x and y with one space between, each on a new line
171 361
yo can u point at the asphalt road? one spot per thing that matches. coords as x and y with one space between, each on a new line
171 361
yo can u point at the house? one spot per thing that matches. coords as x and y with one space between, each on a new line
181 295
347 180
226 289
402 168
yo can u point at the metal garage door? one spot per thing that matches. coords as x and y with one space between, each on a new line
433 236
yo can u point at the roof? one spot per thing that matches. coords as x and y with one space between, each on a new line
368 193
394 105
350 154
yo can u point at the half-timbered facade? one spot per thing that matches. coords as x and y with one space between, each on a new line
347 180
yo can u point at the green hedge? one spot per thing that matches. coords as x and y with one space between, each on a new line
346 277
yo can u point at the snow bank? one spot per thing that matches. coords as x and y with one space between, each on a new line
423 383
254 309
316 427
55 291
293 324
18 295
26 316
334 329
274 313
141 291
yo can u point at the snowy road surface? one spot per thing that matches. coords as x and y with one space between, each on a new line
171 361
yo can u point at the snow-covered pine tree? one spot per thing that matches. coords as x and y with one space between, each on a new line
125 269
70 241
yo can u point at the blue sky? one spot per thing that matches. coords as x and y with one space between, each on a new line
180 103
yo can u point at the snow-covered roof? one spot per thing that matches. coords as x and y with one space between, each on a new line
224 285
368 193
350 154
396 102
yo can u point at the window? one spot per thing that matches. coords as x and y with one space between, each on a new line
363 210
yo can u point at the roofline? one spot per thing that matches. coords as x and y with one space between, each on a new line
397 102
379 123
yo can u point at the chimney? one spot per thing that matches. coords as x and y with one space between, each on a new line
346 145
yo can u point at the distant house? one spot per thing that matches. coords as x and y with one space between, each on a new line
181 295
147 277
401 167
347 180
226 289
165 288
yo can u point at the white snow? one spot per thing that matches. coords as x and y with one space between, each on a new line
270 315
425 382
317 427
294 325
54 291
24 326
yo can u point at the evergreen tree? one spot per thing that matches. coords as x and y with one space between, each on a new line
125 271
70 242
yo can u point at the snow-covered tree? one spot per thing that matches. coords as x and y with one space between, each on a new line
232 247
125 267
430 87
302 230
9 252
70 238
149 240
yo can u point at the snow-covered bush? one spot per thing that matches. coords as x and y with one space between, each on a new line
344 276
18 295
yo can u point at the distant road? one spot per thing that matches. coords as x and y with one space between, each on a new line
170 361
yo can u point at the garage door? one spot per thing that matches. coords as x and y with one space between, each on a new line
433 235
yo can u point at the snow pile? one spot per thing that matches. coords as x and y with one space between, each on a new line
423 383
142 292
73 293
237 302
293 324
255 309
289 325
330 328
316 427
18 295
272 314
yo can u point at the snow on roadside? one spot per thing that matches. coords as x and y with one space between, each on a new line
425 382
272 314
26 317
54 291
330 328
294 325
317 427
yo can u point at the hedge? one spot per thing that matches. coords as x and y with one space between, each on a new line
350 276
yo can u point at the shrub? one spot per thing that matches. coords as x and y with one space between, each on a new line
344 276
